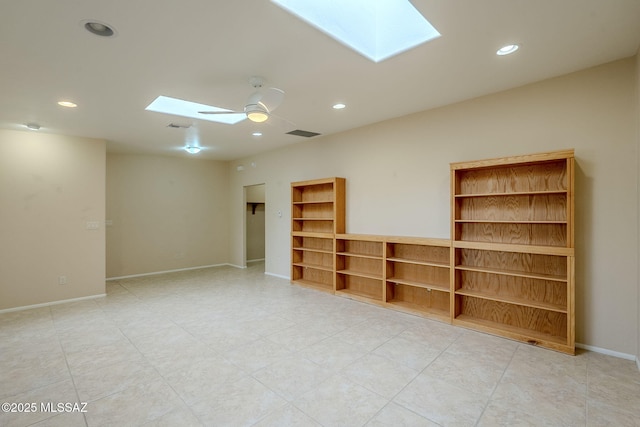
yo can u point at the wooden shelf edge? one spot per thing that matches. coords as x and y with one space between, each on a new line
525 221
314 285
417 262
320 251
313 202
507 247
421 241
312 234
312 219
360 296
316 182
512 273
361 274
433 287
407 307
514 301
363 237
313 266
515 333
514 193
357 255
548 156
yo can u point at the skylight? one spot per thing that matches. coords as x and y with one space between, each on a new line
178 107
377 29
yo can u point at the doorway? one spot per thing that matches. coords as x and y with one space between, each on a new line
255 224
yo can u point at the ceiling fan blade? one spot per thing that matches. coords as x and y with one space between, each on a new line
220 112
280 123
272 98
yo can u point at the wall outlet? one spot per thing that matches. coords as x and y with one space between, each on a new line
93 225
62 280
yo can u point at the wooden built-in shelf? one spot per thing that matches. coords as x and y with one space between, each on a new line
508 269
516 273
513 300
431 286
512 253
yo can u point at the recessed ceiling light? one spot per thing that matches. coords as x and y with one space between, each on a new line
99 28
506 50
33 126
192 149
257 134
338 106
67 104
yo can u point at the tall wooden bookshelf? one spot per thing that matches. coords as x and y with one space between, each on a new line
512 253
317 215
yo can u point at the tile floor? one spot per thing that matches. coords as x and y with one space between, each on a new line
230 347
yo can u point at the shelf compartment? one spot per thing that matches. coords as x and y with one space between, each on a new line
558 343
318 191
418 275
535 266
418 300
527 322
321 279
360 286
538 234
315 244
358 246
526 291
418 253
512 193
547 176
519 208
314 210
313 225
319 260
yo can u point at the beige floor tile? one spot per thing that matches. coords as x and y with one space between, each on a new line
467 372
394 415
96 381
30 370
296 338
292 376
554 404
287 416
434 334
333 353
66 419
49 396
442 402
412 354
340 402
602 415
257 355
203 376
380 375
133 406
183 349
242 403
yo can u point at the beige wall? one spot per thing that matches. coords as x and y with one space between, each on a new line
398 180
638 166
50 187
167 213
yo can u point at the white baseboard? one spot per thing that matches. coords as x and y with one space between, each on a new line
638 362
154 273
47 304
236 266
607 352
255 260
280 276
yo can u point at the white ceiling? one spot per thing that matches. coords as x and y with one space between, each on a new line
206 50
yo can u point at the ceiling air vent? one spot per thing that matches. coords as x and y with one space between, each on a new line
179 125
304 133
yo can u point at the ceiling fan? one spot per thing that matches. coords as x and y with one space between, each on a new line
260 104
